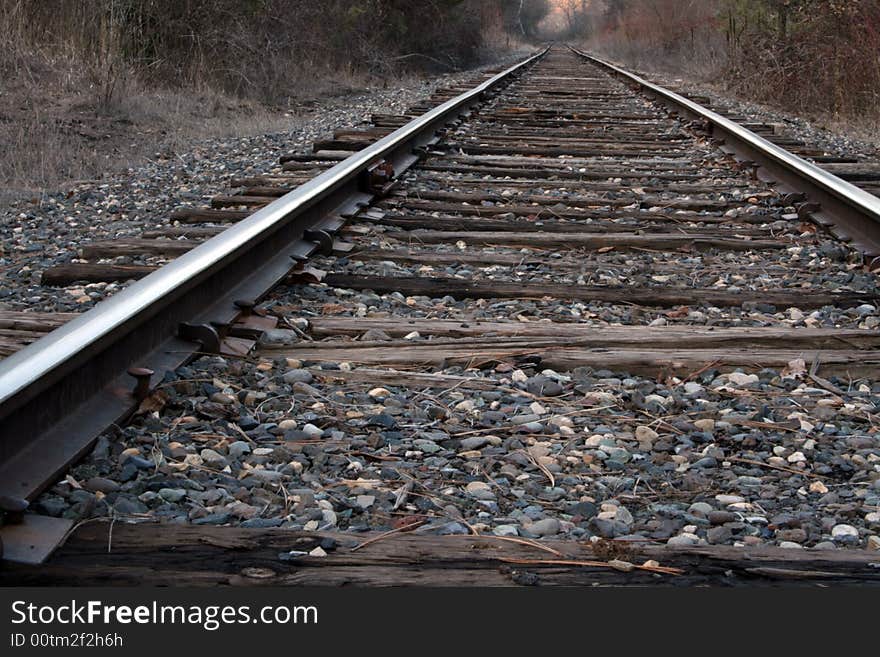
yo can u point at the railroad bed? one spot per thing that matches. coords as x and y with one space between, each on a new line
576 328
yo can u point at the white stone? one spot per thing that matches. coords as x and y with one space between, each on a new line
740 379
312 431
683 540
505 530
365 501
537 408
518 376
843 531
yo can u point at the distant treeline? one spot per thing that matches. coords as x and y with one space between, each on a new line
257 48
815 56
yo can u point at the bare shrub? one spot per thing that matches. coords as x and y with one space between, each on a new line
816 57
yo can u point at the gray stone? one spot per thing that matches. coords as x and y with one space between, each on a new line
213 459
453 528
262 523
278 337
125 506
721 517
51 505
506 530
532 427
238 449
545 527
213 519
585 510
544 387
312 431
624 516
718 535
297 376
474 442
524 419
102 485
172 494
701 509
609 528
375 335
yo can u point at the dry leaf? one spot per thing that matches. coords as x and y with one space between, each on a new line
153 403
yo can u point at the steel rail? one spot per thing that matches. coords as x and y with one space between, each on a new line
60 392
852 213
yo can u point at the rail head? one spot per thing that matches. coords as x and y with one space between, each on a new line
35 363
856 199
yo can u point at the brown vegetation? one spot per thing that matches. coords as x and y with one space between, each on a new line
77 73
814 57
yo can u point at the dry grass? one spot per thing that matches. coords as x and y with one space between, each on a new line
820 61
93 85
51 138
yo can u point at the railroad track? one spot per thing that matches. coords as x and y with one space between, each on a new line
548 318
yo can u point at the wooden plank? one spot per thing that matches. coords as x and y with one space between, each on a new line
643 361
610 336
549 151
9 346
190 232
525 210
552 225
580 264
136 246
643 296
186 555
33 321
560 354
524 182
227 201
544 171
569 200
589 163
658 241
70 273
199 215
21 335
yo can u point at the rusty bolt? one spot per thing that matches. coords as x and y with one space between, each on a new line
12 509
142 377
245 306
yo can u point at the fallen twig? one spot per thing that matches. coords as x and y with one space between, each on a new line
773 467
391 532
664 570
